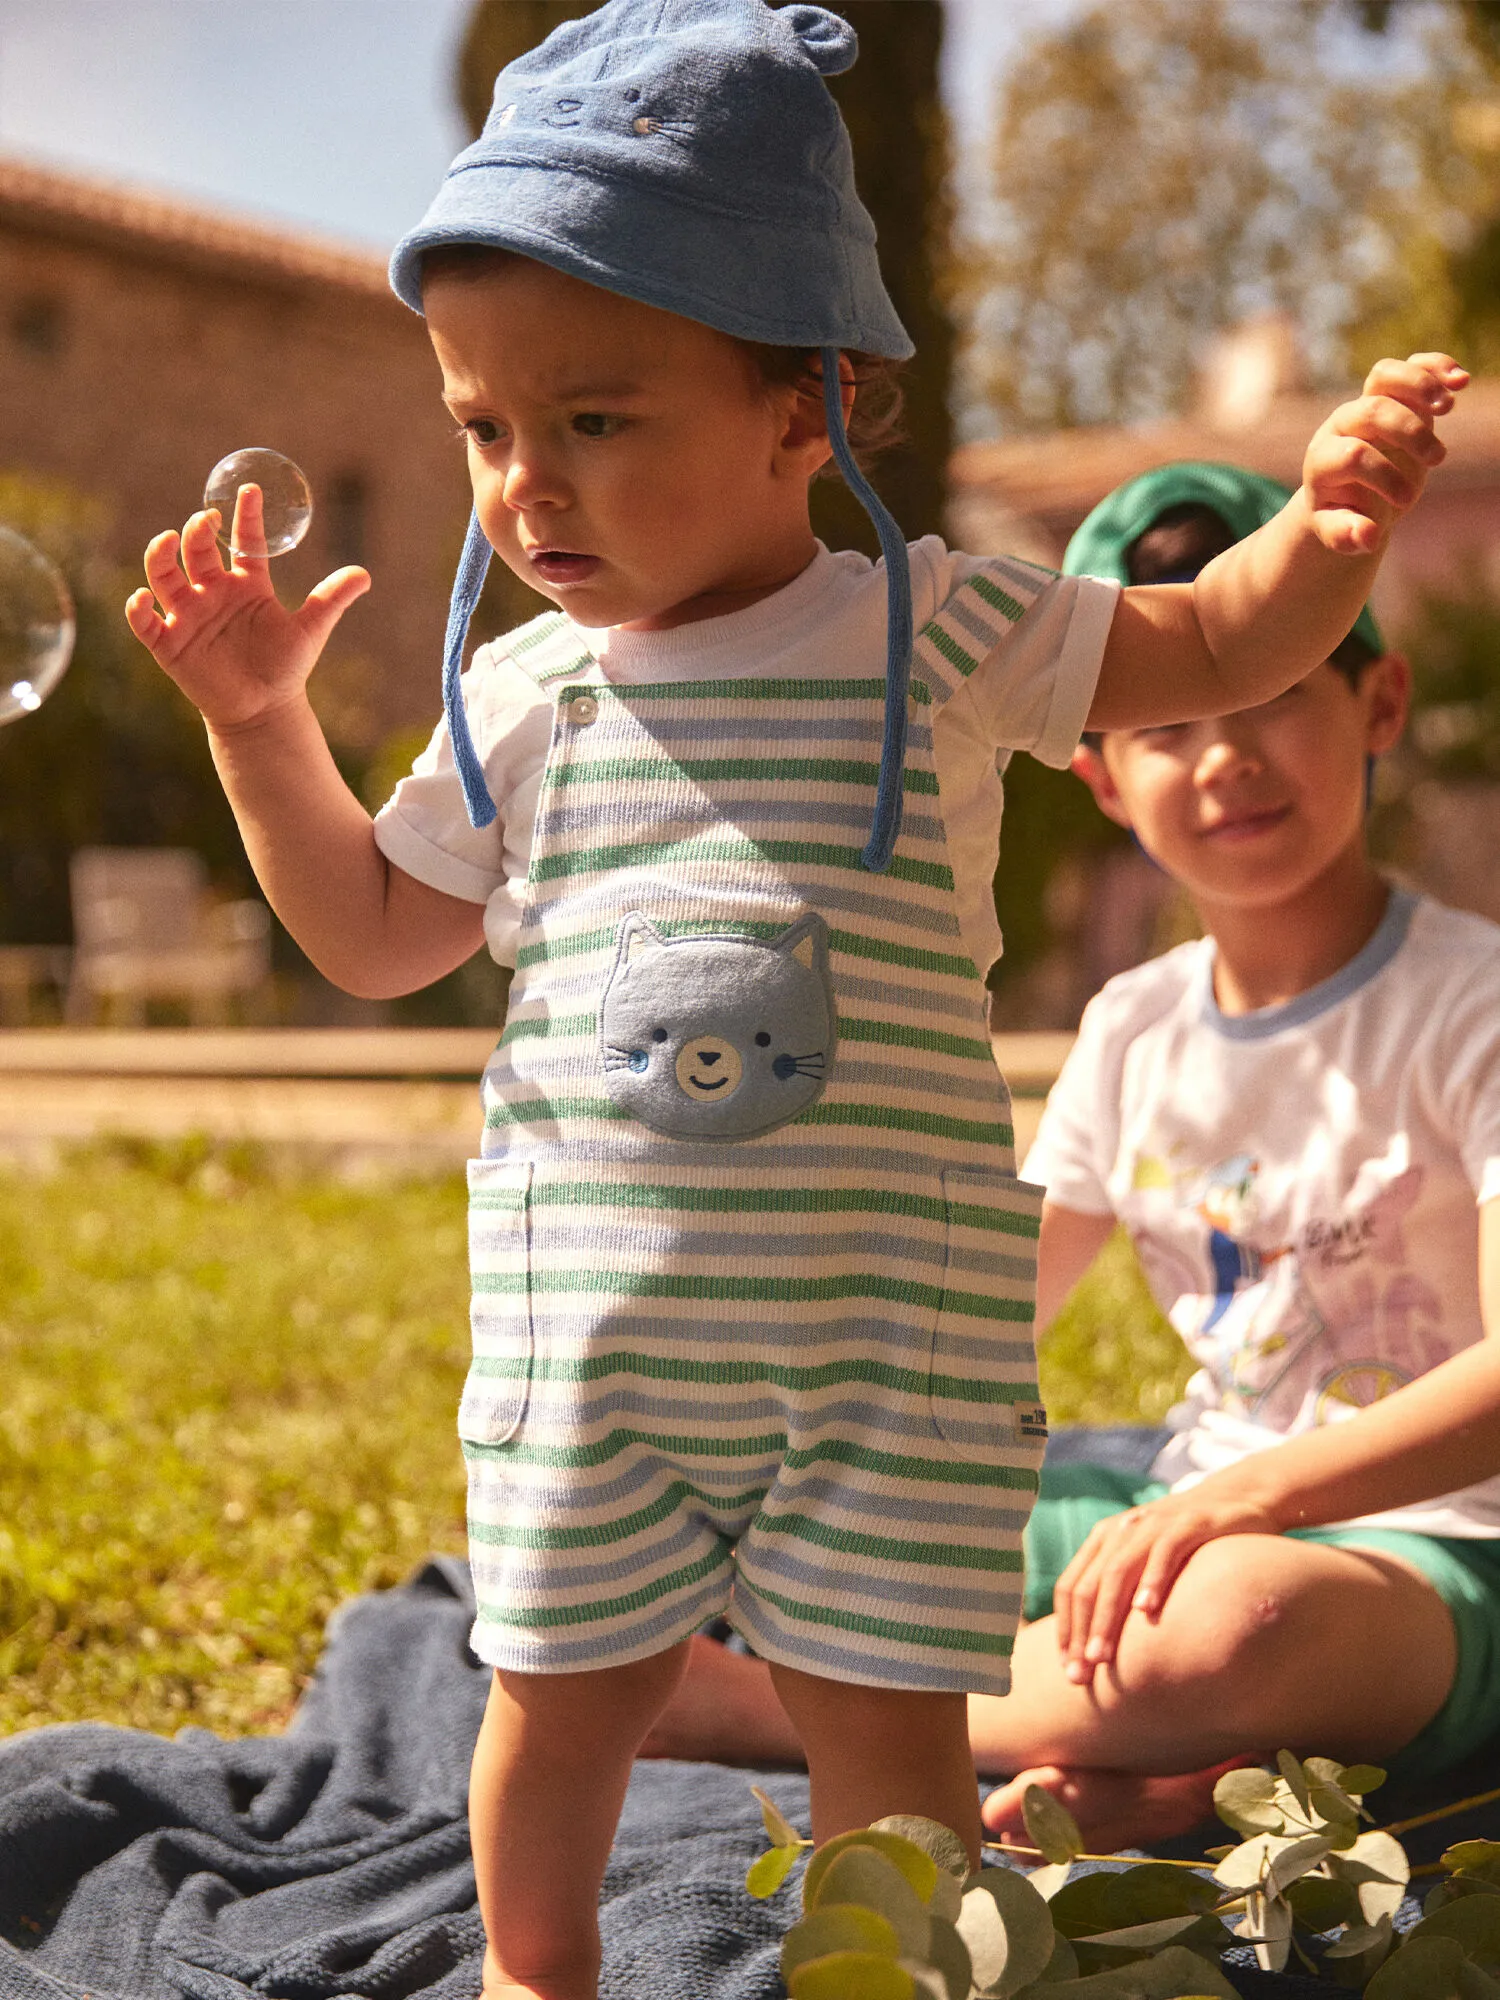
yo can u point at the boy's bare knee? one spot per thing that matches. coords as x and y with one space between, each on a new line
1225 1632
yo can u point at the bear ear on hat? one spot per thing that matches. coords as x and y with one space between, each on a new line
828 42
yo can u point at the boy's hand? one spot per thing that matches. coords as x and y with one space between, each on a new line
234 650
1369 462
1130 1563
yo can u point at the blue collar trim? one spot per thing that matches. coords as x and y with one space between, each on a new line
1371 958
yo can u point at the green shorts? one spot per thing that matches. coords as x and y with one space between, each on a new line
1465 1575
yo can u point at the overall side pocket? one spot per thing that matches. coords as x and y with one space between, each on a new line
983 1381
499 1379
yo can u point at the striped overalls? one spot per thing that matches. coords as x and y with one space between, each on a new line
753 1273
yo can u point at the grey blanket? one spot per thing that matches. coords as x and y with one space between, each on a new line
333 1861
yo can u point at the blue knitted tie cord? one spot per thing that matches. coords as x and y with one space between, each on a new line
475 561
468 583
888 793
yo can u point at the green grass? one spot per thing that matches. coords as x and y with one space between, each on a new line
227 1401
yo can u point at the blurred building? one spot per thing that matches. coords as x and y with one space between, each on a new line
1029 493
142 339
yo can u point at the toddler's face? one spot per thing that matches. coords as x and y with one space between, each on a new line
629 464
1251 808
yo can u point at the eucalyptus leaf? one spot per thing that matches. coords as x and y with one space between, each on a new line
1362 1779
838 1927
1267 1924
1144 1937
1473 1922
1245 1867
949 1957
1294 1778
768 1871
1063 1964
1296 1858
1452 1887
927 1982
1422 1969
860 1875
1246 1800
1051 1827
1048 1880
934 1839
1359 1939
1473 1857
779 1829
1175 1974
1378 1868
1318 1903
851 1975
919 1870
1008 1929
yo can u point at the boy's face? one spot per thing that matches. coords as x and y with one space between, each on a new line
1250 809
629 464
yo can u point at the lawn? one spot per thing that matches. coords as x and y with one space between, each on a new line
227 1400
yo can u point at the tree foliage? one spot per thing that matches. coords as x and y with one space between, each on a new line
1166 168
890 103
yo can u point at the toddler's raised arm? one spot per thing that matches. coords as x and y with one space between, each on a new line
1267 611
244 659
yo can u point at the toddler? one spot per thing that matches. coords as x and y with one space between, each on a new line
752 1268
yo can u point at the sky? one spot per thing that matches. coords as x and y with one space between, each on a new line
336 115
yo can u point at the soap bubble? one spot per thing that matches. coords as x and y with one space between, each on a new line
285 493
36 627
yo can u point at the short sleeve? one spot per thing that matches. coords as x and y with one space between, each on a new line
1034 690
423 828
1470 1064
1078 1135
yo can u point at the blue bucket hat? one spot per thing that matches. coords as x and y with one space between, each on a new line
686 154
1243 500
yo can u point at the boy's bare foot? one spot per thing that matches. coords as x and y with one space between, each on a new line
1113 1809
724 1711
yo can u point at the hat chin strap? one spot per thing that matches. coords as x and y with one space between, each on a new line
472 567
889 790
885 827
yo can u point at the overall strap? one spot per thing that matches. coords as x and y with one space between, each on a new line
973 621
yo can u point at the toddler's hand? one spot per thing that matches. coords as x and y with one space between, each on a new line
1130 1562
1369 462
233 649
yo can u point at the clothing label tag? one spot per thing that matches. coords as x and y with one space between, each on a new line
1030 1420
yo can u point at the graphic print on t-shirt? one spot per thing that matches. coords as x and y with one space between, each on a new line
1306 1330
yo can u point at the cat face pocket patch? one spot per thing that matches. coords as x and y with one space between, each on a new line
717 1037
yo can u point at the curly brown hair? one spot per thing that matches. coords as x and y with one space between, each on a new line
874 424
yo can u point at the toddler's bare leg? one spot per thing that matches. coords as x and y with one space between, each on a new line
548 1780
725 1711
873 1751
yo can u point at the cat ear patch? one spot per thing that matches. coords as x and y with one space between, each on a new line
807 942
637 935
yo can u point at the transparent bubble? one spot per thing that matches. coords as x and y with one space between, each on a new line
36 627
285 493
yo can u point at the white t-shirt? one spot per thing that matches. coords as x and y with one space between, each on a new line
1033 693
1301 1182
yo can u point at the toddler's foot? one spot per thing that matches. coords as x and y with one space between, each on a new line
1113 1809
725 1711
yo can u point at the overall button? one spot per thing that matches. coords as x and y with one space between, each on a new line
583 709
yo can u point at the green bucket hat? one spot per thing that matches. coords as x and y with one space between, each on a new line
1243 500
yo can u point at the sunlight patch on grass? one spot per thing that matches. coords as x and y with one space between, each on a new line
229 1403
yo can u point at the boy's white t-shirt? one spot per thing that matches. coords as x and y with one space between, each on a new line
1300 1183
1032 693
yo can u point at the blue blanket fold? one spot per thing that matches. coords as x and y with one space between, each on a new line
333 1862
